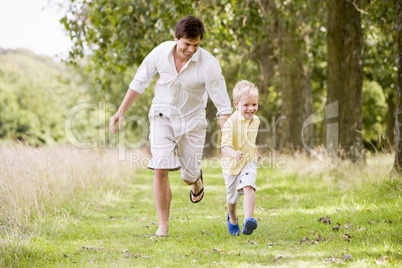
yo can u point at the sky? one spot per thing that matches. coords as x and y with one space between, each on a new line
33 24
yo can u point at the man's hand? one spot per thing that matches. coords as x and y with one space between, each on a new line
116 119
259 156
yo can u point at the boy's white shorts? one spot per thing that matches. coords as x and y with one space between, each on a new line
174 153
236 183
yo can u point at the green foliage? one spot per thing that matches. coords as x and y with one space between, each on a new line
116 35
374 111
35 94
380 63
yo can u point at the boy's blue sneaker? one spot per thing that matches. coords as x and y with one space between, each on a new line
249 226
233 229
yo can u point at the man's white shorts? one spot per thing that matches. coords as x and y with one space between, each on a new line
236 183
174 153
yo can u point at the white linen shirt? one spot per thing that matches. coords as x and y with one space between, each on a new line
182 96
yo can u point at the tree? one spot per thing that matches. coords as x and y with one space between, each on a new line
345 74
295 74
398 115
380 63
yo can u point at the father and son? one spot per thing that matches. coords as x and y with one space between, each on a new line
188 74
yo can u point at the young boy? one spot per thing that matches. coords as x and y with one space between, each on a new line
240 156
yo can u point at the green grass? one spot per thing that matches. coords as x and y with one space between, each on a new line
110 225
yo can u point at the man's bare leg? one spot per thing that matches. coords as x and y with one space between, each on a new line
163 197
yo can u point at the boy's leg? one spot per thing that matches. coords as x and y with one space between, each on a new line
163 197
232 197
249 201
232 213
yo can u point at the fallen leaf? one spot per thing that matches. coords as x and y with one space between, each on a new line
346 237
305 240
319 238
362 228
154 223
312 232
277 258
336 227
330 259
347 225
371 222
146 256
217 250
205 233
326 220
346 257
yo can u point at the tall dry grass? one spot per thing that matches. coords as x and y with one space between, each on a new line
35 182
376 169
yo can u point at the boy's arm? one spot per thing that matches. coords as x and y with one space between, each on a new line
238 155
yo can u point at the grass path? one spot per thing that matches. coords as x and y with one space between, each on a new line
112 227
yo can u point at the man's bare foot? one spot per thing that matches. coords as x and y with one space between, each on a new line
162 232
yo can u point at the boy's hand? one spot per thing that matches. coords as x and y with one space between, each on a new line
238 155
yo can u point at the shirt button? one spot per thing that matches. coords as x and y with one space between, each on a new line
161 114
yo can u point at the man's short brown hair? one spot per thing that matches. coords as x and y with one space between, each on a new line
189 27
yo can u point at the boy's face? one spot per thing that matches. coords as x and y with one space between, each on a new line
247 106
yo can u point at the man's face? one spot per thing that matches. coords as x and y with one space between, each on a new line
187 47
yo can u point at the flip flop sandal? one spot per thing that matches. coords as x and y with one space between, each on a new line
192 194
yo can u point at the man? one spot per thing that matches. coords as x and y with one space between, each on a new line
177 115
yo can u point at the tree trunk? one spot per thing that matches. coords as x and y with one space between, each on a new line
398 114
295 88
345 74
390 130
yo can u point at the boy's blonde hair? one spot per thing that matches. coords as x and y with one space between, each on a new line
244 88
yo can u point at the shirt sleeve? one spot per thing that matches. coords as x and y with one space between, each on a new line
145 72
216 88
227 134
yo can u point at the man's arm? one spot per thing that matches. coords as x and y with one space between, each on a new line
222 119
130 97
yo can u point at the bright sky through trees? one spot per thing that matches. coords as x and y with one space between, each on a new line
32 24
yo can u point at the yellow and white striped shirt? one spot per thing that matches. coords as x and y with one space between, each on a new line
182 96
240 134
